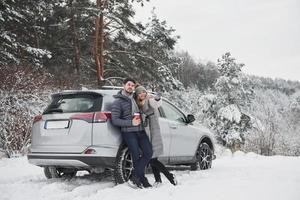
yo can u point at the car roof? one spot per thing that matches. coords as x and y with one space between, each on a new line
103 91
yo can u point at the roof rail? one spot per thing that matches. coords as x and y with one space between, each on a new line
113 81
111 87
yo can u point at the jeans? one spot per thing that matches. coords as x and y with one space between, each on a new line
140 148
158 167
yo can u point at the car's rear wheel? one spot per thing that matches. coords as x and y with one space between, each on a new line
54 172
123 166
204 157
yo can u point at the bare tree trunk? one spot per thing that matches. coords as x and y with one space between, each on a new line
36 35
76 47
99 40
75 40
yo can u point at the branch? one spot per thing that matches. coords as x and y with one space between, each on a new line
136 54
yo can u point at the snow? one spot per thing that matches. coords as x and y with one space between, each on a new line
5 35
235 80
231 113
16 14
233 176
38 52
10 56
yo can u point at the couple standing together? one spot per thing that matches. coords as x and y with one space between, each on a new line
136 113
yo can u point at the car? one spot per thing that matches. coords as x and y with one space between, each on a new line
75 133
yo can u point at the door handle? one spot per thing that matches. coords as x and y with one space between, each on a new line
173 126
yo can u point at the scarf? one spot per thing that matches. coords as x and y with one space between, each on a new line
134 107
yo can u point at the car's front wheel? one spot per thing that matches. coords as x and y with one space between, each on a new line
204 157
54 172
123 166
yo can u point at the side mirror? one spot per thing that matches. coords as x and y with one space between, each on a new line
190 118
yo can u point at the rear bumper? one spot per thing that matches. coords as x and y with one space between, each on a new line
71 160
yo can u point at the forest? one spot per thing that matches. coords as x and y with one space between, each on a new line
49 46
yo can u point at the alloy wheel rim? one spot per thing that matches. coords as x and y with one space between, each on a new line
204 157
127 165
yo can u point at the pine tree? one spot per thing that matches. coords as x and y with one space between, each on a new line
20 32
191 73
145 53
60 35
227 110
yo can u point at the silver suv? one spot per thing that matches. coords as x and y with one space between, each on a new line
75 133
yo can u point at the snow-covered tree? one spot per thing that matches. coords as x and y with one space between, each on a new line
20 32
275 119
23 94
192 73
226 111
291 133
146 55
60 36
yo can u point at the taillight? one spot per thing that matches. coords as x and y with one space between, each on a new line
102 116
93 117
37 118
88 117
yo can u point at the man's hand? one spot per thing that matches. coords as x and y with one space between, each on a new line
136 121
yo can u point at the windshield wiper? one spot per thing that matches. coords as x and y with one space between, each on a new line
58 110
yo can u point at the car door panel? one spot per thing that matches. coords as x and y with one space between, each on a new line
184 138
183 142
166 138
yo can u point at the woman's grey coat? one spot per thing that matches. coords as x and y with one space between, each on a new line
150 109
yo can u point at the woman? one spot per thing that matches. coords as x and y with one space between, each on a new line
149 106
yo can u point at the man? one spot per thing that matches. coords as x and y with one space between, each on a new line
125 115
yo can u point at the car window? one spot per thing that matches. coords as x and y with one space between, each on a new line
67 103
171 112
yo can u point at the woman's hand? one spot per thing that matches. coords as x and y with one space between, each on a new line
136 121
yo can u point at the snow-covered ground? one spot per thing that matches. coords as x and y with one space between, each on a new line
239 176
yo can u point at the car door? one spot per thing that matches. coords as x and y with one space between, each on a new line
183 136
166 137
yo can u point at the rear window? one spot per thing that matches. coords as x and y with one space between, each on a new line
68 103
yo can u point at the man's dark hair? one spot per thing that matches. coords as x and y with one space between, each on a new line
128 79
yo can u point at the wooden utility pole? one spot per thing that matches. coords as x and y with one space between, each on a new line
99 40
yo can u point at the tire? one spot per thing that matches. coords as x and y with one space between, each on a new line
47 173
54 172
123 165
204 157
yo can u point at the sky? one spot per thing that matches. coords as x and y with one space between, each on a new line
262 34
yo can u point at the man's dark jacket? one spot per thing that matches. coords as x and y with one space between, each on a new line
121 114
